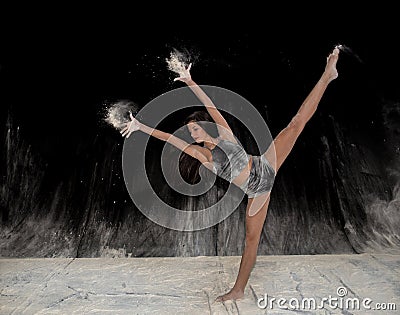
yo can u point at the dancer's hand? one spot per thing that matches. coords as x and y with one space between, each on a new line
130 127
185 75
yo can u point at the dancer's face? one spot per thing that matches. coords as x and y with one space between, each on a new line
198 134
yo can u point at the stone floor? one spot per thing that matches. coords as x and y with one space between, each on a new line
349 284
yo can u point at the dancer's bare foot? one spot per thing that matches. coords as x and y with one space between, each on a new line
331 72
231 295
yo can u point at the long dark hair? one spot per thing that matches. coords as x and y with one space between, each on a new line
188 165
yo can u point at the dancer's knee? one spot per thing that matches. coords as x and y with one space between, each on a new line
252 238
297 124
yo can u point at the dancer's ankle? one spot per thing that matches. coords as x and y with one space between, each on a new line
327 78
237 290
324 80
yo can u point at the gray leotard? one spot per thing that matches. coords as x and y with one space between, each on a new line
261 178
229 159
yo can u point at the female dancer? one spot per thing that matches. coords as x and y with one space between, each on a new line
257 175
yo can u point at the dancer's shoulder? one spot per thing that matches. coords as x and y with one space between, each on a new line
228 137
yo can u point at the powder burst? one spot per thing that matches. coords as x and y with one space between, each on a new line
117 114
178 61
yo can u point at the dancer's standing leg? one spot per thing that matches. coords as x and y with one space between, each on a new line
257 207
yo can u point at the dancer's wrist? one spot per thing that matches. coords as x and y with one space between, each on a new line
140 125
189 81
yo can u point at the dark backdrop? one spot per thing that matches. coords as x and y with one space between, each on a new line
62 189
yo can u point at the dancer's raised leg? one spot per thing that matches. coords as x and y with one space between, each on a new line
283 144
285 140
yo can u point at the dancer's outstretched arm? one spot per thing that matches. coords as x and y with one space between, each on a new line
193 150
223 128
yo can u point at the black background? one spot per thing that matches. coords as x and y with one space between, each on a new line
57 73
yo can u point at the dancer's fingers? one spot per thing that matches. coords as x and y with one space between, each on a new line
189 67
130 115
125 132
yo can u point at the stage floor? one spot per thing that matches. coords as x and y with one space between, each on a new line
349 284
